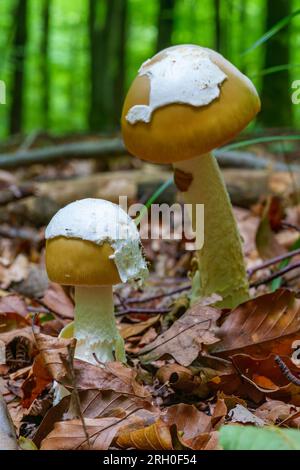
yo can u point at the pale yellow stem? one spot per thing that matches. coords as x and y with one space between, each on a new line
221 264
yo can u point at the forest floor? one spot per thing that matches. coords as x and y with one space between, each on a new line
186 380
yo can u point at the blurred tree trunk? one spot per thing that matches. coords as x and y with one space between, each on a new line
222 26
165 24
18 77
276 99
44 49
107 31
217 25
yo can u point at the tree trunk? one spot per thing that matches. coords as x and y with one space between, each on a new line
44 48
165 24
276 99
217 25
107 46
19 49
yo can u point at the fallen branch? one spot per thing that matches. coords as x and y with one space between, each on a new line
275 260
275 275
102 148
286 371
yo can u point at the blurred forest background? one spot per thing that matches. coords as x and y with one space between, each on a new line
67 64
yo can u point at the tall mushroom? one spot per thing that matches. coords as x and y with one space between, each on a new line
186 101
93 244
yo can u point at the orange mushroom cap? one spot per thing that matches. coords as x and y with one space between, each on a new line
178 130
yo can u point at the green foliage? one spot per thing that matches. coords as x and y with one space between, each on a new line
235 437
69 55
274 30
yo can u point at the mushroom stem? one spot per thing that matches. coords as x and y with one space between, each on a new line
95 326
221 264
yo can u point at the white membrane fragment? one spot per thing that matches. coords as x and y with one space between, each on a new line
100 221
185 75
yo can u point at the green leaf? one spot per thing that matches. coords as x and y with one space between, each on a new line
235 437
274 30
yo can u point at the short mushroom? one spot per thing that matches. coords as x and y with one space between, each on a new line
186 101
93 244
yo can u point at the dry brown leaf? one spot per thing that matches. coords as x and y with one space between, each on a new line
179 377
70 435
185 339
191 424
13 304
240 414
263 377
157 436
276 411
111 376
133 329
49 364
107 403
16 272
58 302
260 326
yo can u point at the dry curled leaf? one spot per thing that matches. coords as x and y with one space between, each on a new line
194 428
157 436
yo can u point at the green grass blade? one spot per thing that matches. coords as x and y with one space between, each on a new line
274 30
276 69
259 140
276 283
152 199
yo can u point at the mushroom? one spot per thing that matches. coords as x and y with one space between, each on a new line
186 101
93 244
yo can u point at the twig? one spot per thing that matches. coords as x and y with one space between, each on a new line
289 225
75 393
272 261
146 311
275 275
158 296
109 426
286 371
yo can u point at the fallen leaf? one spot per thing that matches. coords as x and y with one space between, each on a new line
133 329
260 326
58 302
111 376
49 364
179 377
240 414
157 436
13 304
185 339
16 272
251 368
70 435
194 427
276 411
